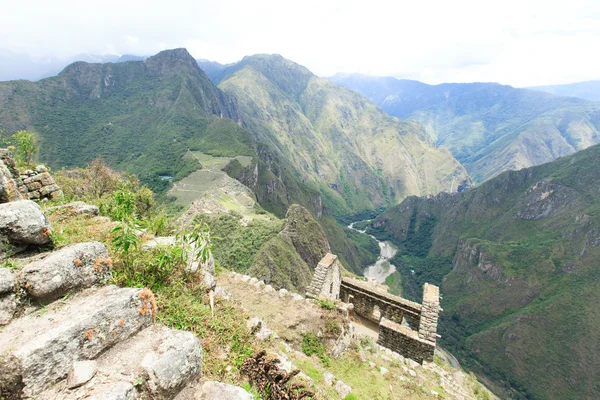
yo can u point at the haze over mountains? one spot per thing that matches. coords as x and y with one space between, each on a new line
489 128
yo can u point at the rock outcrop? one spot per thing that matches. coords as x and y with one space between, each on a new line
78 266
23 223
11 186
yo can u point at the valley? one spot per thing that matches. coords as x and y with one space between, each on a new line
488 191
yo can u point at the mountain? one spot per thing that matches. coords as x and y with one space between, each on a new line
518 261
489 128
589 90
147 116
140 116
357 156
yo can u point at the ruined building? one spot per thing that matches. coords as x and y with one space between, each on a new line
405 327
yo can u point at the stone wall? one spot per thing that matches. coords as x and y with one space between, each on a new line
405 341
374 304
40 184
429 313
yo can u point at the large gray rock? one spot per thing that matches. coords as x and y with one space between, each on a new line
114 391
172 362
160 241
40 348
81 372
78 266
343 389
6 281
212 390
161 360
8 306
76 208
23 223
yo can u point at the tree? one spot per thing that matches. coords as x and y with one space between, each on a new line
26 146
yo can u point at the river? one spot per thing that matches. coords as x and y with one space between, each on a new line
382 267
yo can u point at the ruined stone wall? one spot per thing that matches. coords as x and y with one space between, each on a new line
405 341
373 304
429 313
326 279
40 184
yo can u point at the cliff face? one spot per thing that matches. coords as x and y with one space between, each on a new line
289 259
520 255
357 156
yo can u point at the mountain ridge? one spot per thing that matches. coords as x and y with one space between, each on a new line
489 127
517 260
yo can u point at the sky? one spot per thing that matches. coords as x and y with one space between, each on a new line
516 42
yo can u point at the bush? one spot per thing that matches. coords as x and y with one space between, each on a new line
327 304
311 345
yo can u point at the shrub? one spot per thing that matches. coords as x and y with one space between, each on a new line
327 304
311 345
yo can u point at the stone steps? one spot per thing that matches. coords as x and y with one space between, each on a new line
39 349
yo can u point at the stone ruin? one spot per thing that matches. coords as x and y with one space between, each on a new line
35 184
406 327
327 279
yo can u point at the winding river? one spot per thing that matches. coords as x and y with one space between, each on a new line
382 268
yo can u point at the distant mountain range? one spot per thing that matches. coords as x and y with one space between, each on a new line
589 90
518 262
15 66
489 128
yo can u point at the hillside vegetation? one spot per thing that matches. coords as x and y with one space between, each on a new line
147 118
489 128
517 259
358 157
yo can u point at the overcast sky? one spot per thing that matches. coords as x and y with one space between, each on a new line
516 42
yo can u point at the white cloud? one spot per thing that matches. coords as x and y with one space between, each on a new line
518 42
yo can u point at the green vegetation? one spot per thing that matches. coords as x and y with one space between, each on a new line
327 304
517 261
312 345
242 242
329 135
490 128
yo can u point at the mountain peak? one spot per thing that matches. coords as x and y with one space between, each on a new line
168 60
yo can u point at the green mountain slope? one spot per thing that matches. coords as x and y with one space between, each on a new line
589 90
489 128
140 116
518 261
143 117
359 158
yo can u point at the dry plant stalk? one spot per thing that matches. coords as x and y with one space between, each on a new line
273 383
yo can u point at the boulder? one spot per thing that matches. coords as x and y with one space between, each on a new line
6 281
24 223
78 266
329 378
172 362
76 208
212 390
161 241
40 348
81 372
114 391
343 389
8 306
